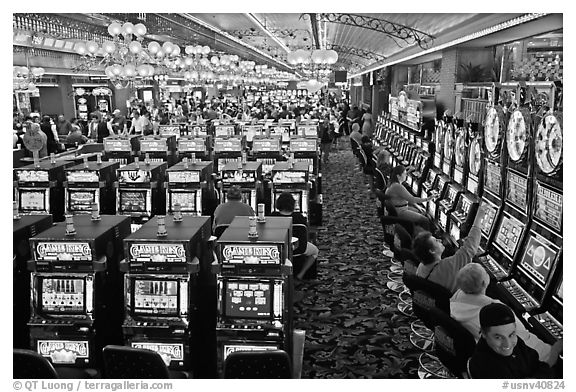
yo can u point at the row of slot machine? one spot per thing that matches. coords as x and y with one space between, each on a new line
513 164
88 282
146 176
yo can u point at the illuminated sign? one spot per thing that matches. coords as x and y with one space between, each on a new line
168 352
183 176
289 177
82 176
63 351
260 145
113 144
158 253
303 145
251 254
221 145
517 189
70 251
32 175
192 145
133 176
153 145
549 207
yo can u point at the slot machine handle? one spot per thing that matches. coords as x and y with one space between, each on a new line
194 266
100 264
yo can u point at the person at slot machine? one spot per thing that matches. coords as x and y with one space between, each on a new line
399 197
356 134
443 271
225 212
382 163
285 205
501 353
472 281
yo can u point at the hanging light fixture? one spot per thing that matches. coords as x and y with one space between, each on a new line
127 61
25 79
314 65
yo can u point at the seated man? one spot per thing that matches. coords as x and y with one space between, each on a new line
225 213
285 206
472 281
500 353
443 271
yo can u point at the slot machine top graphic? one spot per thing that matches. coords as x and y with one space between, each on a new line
518 135
549 145
493 131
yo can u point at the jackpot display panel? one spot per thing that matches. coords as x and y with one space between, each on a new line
122 149
190 185
159 149
90 183
198 147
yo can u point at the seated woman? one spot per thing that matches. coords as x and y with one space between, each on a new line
500 353
285 205
400 198
472 281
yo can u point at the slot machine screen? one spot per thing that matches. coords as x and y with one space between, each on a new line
487 223
81 200
493 177
414 185
33 200
508 234
133 201
63 296
155 297
187 200
297 196
517 190
247 299
455 231
548 207
538 257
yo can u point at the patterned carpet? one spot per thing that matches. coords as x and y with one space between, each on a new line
353 328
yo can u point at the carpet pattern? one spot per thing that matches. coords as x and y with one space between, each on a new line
353 328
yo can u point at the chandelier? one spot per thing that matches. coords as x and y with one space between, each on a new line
314 65
126 60
25 79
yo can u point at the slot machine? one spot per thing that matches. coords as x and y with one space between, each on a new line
251 130
517 198
190 184
200 147
40 188
493 190
248 176
254 287
140 191
24 227
89 183
281 131
439 189
290 124
306 150
76 289
307 130
198 130
439 139
422 163
448 146
167 261
122 149
267 151
291 177
227 150
535 285
224 130
159 148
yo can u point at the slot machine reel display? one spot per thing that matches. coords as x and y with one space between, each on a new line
422 164
122 149
40 188
89 183
76 288
159 148
166 260
190 184
248 176
140 192
254 307
24 227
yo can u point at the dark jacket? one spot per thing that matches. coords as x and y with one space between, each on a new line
523 363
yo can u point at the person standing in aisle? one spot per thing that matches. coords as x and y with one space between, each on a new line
49 130
326 131
367 123
118 122
63 126
139 123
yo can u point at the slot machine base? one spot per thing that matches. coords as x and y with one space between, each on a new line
173 347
